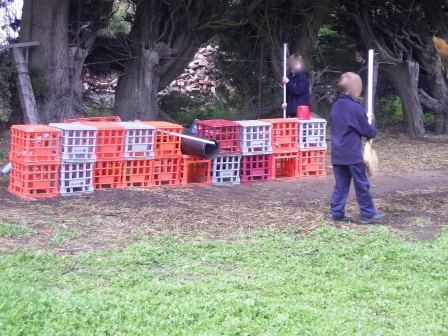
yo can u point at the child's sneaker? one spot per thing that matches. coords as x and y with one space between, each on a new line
375 219
330 218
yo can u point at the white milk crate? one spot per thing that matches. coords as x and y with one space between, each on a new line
312 134
226 170
76 178
77 142
256 137
139 141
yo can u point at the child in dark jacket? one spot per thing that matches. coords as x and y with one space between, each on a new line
348 124
297 86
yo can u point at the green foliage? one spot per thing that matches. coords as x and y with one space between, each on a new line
353 284
3 154
185 109
397 110
239 63
99 107
388 111
428 117
333 47
118 23
14 230
38 82
6 74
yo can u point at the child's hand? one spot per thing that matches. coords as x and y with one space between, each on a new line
284 106
285 80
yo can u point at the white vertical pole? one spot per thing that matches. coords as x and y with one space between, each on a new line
370 87
285 54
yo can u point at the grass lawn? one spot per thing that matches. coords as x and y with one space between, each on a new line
260 284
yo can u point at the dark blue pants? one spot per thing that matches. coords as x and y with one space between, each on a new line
343 176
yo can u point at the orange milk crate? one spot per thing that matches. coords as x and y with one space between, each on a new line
166 144
137 173
312 164
256 168
195 171
285 137
108 174
284 166
109 140
35 144
94 119
167 171
226 133
34 180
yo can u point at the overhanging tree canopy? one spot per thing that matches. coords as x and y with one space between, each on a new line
66 31
164 38
401 32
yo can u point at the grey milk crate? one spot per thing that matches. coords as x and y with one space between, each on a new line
139 141
256 137
226 170
75 178
77 142
312 134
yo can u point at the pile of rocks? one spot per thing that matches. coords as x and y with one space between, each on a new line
97 84
199 77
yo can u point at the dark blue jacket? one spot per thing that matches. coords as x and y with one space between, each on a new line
297 93
348 124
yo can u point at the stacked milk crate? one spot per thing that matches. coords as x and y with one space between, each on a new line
77 153
165 170
311 160
256 149
285 145
138 154
299 148
171 168
226 167
122 151
35 161
109 150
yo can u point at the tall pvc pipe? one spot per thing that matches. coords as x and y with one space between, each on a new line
285 54
260 80
370 87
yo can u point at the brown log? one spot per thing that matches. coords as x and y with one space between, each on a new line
26 94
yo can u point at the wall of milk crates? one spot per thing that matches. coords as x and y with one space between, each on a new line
82 155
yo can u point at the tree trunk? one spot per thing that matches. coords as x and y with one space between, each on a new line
47 21
436 99
404 76
136 94
153 68
440 121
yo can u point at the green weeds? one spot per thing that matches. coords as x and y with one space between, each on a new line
14 230
60 236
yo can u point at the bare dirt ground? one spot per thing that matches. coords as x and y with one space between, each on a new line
412 187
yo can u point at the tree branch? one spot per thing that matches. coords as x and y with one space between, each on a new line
427 100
